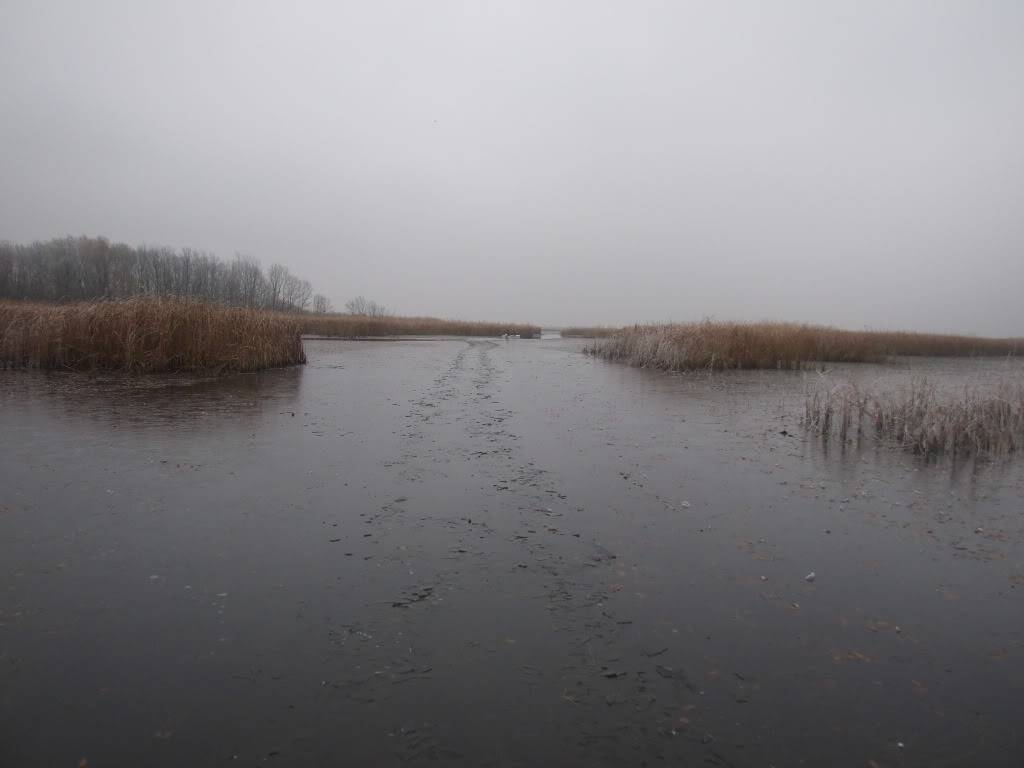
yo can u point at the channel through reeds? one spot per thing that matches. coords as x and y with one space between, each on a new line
725 345
921 418
146 335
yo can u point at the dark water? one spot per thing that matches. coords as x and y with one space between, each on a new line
479 553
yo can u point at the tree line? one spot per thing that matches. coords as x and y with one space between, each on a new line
88 268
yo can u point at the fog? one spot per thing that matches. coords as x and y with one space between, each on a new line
859 164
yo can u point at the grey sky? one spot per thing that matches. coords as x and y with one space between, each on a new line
856 163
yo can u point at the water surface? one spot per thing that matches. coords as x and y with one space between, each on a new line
495 553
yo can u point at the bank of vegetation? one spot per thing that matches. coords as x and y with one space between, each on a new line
146 335
369 326
921 418
84 303
724 345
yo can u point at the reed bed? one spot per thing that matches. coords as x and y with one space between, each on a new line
362 326
922 419
589 332
720 346
146 335
945 345
723 345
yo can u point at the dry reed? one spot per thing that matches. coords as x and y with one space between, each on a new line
146 336
921 419
945 345
722 345
363 326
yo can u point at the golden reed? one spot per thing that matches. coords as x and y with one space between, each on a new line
722 345
146 335
360 326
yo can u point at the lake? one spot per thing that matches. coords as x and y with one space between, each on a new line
502 553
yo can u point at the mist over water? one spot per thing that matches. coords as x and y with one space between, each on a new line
559 163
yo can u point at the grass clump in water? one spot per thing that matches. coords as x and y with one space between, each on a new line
146 335
922 419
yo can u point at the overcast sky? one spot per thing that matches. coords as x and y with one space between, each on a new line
857 163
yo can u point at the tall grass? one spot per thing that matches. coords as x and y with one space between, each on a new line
723 345
719 346
146 335
922 419
359 326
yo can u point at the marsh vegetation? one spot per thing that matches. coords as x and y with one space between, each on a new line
921 417
146 335
159 335
725 345
84 303
379 325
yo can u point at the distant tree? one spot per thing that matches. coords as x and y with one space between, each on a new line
248 277
276 277
6 268
295 292
360 306
357 306
321 304
86 268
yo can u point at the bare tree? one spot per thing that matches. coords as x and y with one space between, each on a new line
357 306
295 292
361 306
6 270
84 268
305 295
276 277
321 304
379 310
251 284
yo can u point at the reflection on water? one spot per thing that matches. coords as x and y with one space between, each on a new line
151 401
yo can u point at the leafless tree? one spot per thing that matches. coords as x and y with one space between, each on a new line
295 292
276 277
361 306
77 269
321 304
356 306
